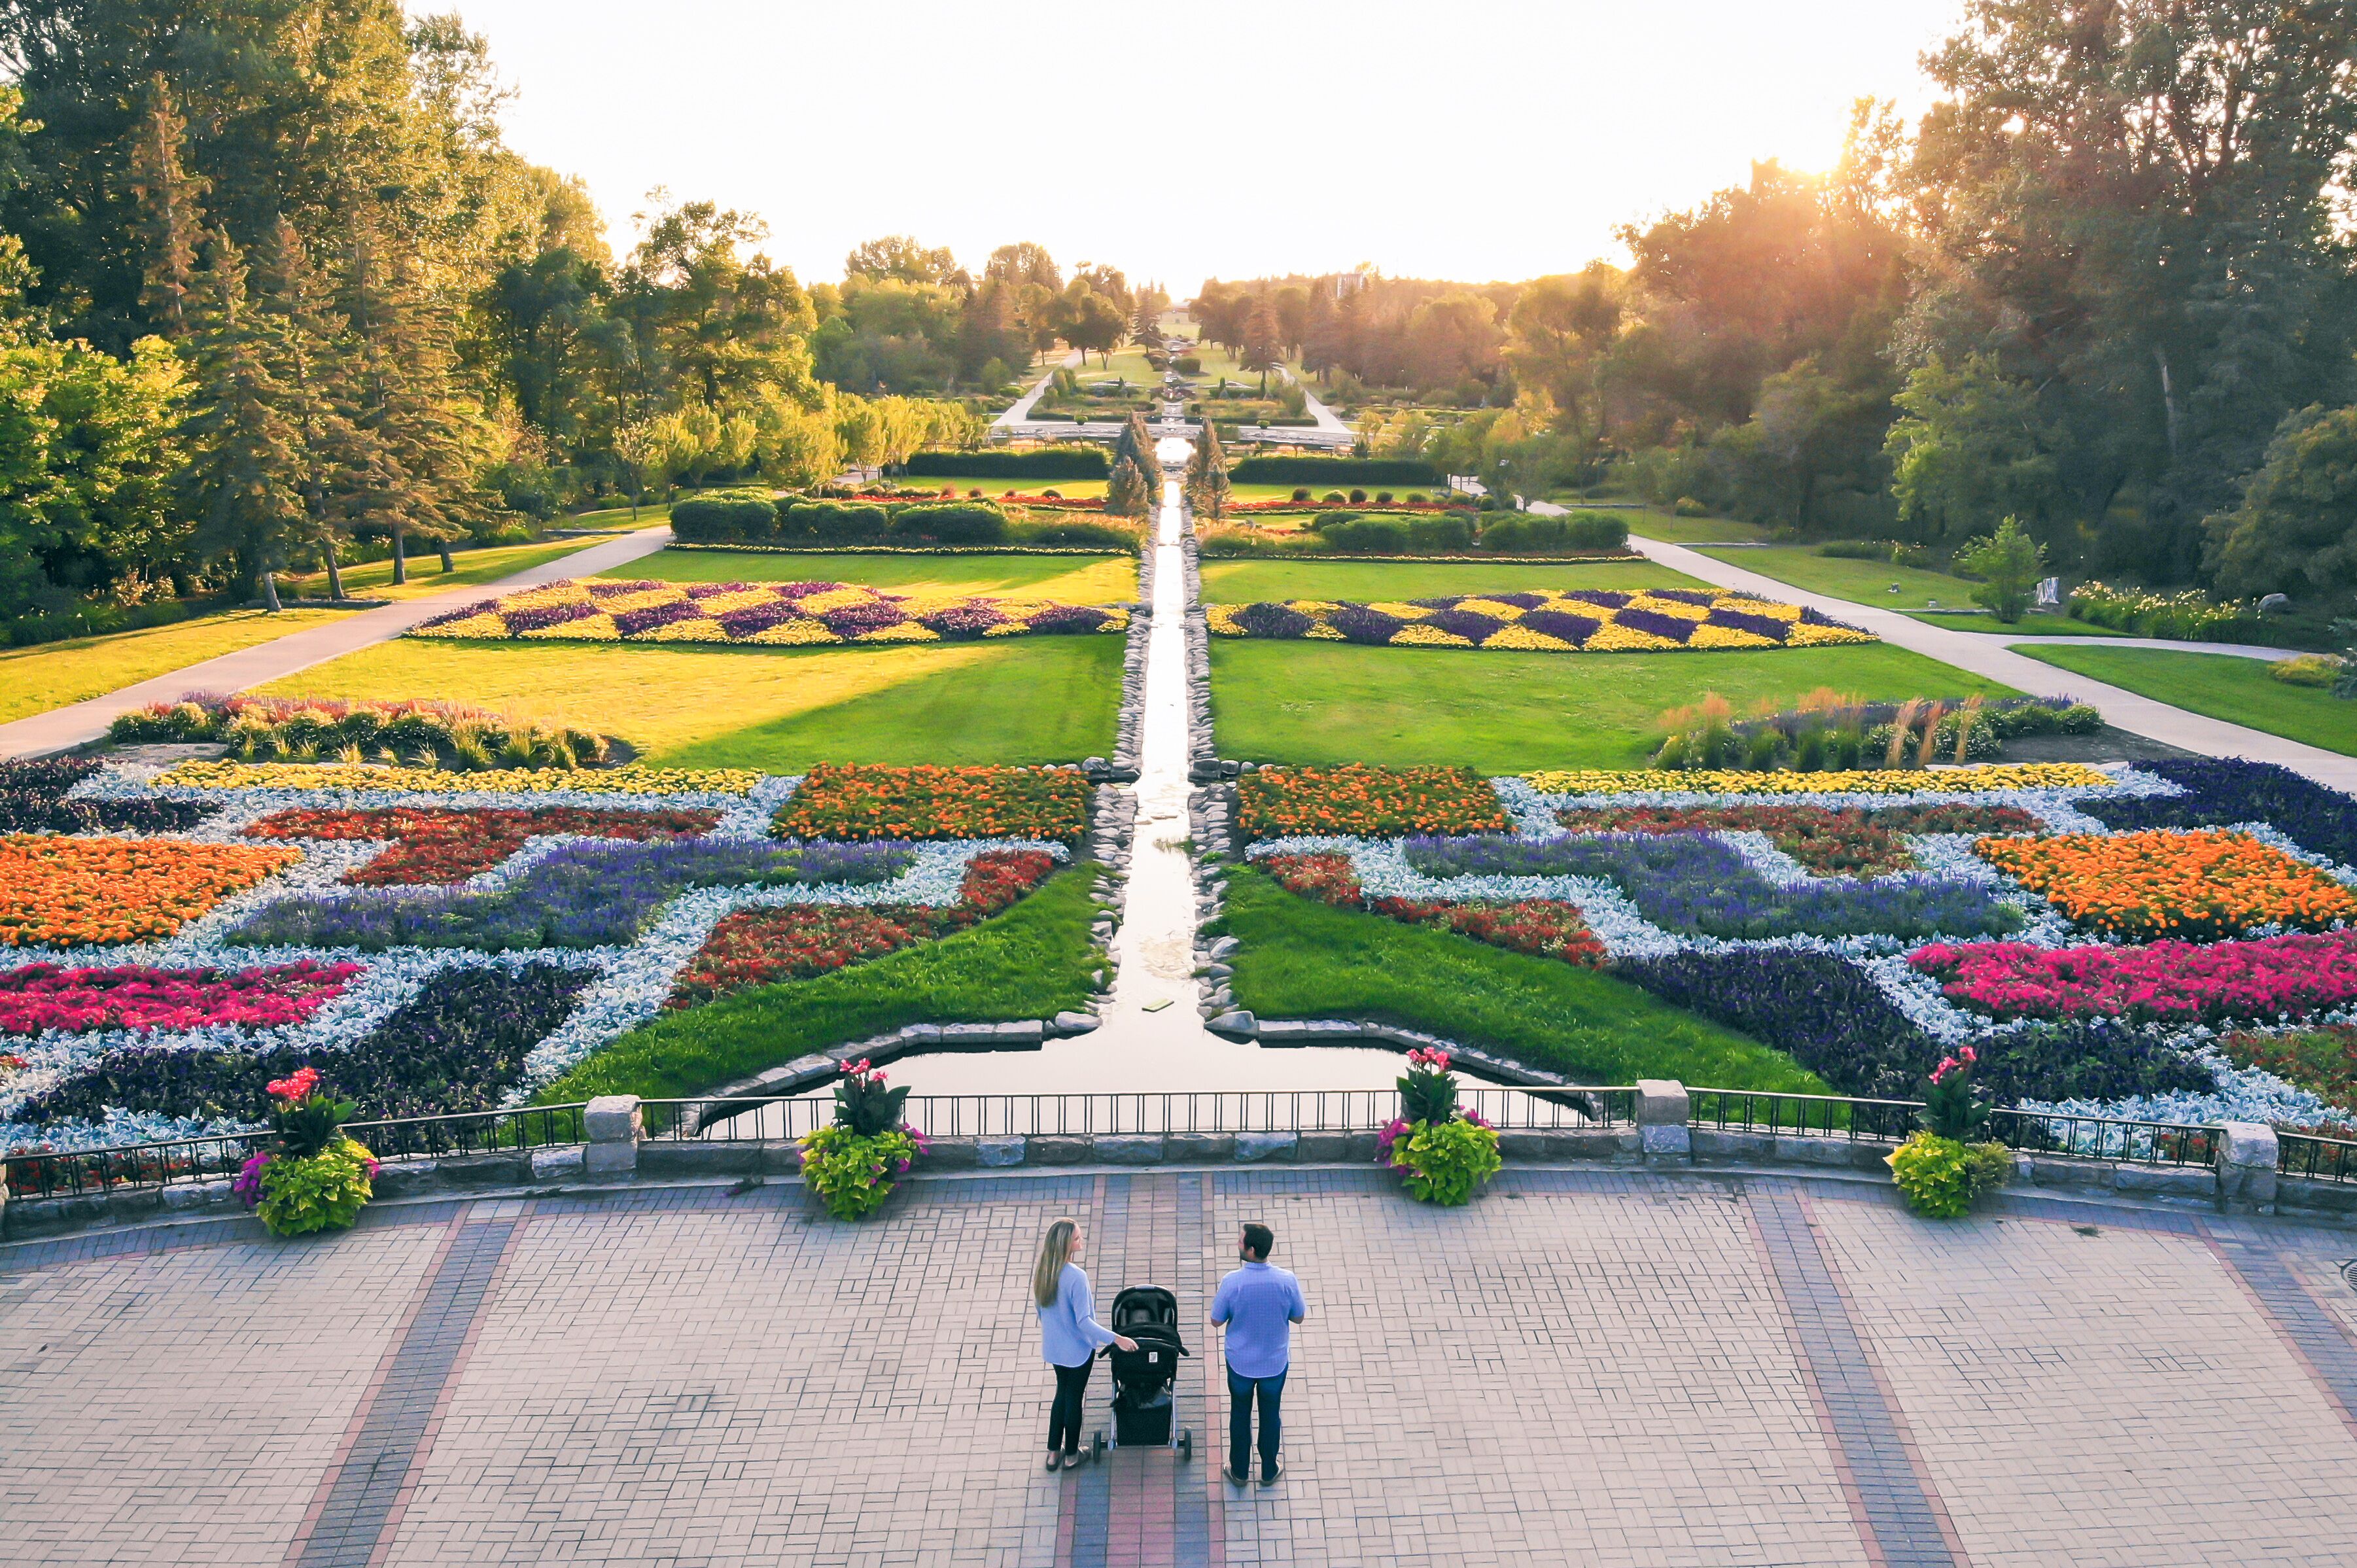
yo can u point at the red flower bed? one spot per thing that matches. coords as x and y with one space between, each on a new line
1539 926
433 843
1846 843
848 800
38 996
762 947
1377 802
2169 982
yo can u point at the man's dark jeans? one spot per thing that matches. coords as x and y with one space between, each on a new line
1241 1391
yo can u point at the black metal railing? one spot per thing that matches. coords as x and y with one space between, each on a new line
2320 1159
2115 1138
1802 1115
472 1131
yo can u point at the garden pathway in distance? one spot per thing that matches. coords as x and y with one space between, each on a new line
81 723
1987 655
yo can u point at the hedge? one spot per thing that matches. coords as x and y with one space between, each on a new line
725 515
1411 535
834 522
1336 471
1527 534
1047 463
949 523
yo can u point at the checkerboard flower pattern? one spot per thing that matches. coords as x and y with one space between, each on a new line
1658 620
762 615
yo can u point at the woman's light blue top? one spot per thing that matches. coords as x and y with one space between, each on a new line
1069 1331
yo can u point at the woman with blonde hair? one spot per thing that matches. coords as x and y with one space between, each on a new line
1070 1334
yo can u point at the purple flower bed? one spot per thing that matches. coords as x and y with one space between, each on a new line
1574 630
1696 884
1698 598
1653 621
1602 598
1470 625
32 800
1759 625
755 618
963 620
1357 623
805 590
713 590
1273 620
856 621
463 613
1811 616
1067 618
585 895
2230 790
458 1045
629 623
1520 601
547 616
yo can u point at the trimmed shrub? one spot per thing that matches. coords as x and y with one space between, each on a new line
834 522
949 523
1521 532
1447 534
1317 471
725 517
1045 463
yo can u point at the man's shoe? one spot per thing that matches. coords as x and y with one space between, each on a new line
1233 1477
1269 1475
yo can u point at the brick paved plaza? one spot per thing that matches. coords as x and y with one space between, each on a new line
1583 1366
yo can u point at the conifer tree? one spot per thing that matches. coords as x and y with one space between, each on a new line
170 218
241 484
339 469
1207 475
1126 494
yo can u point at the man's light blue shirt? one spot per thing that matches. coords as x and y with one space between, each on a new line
1260 1305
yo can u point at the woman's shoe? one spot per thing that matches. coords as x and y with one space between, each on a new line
1268 1476
1072 1459
1054 1460
1233 1478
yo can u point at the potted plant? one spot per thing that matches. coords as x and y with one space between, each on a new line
854 1162
312 1177
1443 1152
1946 1166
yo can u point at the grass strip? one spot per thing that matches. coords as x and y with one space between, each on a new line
1305 960
2221 685
1033 961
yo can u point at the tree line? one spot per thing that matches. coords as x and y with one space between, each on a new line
2107 284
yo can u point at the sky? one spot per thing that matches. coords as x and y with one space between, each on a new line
1468 139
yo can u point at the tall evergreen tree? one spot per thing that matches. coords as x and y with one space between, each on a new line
170 218
242 484
1207 475
340 466
1127 493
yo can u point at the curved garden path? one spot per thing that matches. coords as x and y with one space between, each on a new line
1988 655
81 723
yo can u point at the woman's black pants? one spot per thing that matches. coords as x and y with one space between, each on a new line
1064 1415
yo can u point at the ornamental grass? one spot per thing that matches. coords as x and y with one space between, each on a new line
430 844
765 615
2196 886
73 892
1784 782
1354 798
1546 621
860 800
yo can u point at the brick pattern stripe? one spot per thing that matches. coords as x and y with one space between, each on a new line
359 1500
2321 1344
1898 1513
1090 1499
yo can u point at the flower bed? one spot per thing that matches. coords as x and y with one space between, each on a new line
1276 801
33 799
843 800
1847 842
2165 981
768 614
441 735
2144 885
372 777
1538 927
2224 792
1585 621
1864 782
431 844
35 997
71 892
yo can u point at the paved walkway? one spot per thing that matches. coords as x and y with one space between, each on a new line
1987 655
86 721
1601 1368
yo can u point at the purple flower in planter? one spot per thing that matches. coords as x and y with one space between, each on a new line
629 623
1574 630
971 619
1767 627
1653 621
465 613
1466 624
1067 618
853 620
1358 624
547 616
756 619
1272 620
1602 598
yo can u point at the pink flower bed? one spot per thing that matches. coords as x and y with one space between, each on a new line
41 996
2165 981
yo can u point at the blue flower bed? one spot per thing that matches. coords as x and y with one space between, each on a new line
2219 790
1697 884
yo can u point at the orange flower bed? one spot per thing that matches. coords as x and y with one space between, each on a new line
2190 886
68 891
1351 797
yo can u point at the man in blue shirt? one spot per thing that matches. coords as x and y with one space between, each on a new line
1258 1305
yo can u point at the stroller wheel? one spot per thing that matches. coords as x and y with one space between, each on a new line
1099 1453
1187 1445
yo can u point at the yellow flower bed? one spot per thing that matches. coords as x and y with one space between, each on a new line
496 781
1863 781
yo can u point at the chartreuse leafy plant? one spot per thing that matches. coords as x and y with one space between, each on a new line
315 1178
1445 1152
856 1161
1943 1169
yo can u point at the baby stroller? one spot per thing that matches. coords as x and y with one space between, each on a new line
1143 1378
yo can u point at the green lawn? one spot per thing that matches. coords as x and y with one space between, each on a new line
373 579
1301 959
2223 685
54 674
1509 713
1243 582
2033 625
1033 961
1017 700
1075 579
622 517
1863 582
1654 523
